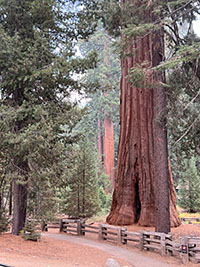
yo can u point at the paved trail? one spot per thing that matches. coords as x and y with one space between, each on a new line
135 259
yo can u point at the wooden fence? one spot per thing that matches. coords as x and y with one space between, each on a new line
190 220
188 248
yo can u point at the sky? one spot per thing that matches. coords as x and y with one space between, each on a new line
196 26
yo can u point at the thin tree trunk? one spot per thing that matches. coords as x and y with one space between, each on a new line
10 198
100 140
109 165
78 199
0 204
20 193
83 181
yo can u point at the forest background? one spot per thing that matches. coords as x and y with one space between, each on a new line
59 156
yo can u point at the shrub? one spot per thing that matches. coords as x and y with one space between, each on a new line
28 232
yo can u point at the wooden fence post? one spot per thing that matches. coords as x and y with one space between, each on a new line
82 227
168 251
144 237
123 234
119 235
141 242
79 227
100 236
61 225
163 245
184 254
44 226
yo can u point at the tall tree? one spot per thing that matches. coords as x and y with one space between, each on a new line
104 104
143 190
189 187
37 63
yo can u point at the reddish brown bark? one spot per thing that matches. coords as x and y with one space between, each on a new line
109 149
109 160
142 180
100 140
175 220
105 141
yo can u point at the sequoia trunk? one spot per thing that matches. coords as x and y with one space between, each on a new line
109 149
109 160
100 140
142 173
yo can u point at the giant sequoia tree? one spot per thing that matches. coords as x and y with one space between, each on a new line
37 64
144 188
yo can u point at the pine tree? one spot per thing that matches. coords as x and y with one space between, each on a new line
190 187
37 68
29 233
81 197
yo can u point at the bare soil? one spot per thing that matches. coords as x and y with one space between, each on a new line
49 252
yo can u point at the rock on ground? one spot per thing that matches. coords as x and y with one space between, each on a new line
112 263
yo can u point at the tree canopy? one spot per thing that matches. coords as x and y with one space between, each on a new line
39 69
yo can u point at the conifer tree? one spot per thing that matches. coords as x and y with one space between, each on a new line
81 197
190 187
37 67
104 104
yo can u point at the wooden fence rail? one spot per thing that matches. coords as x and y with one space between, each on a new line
188 248
190 220
155 241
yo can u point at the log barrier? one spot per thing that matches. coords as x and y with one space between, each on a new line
190 220
187 249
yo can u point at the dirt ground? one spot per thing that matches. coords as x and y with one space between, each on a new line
17 252
48 252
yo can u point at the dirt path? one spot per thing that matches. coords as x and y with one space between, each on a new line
49 252
133 258
62 250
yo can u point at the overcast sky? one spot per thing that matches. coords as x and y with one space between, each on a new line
196 25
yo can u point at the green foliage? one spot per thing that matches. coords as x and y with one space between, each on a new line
190 187
28 233
4 223
140 30
102 197
108 202
80 197
105 101
38 74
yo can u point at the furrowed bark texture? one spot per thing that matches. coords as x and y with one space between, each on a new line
174 219
142 187
20 190
20 193
100 140
109 160
106 140
19 208
109 149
